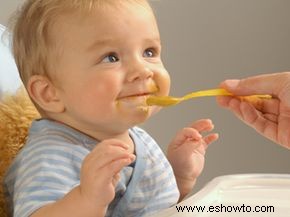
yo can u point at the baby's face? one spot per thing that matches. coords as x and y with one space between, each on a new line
110 63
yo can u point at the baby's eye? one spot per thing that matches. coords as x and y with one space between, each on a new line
111 58
150 52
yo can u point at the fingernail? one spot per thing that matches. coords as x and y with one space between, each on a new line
232 84
132 157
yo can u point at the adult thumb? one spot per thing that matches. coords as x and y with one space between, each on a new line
274 84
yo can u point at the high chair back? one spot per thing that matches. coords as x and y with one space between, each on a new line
16 114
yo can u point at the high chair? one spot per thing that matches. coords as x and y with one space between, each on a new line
16 114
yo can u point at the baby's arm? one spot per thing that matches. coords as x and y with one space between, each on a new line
99 176
186 154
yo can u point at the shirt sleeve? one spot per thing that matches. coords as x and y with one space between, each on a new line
44 175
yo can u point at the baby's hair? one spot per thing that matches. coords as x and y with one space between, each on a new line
33 47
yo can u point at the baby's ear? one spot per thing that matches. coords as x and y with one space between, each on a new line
44 94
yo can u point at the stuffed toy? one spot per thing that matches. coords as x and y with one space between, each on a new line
16 114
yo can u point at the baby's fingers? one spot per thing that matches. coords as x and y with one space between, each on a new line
105 156
186 134
106 159
210 138
111 144
112 170
203 125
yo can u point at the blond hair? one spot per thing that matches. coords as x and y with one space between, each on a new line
32 44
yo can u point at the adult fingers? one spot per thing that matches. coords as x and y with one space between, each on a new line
270 106
262 84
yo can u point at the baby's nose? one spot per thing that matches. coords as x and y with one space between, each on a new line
139 71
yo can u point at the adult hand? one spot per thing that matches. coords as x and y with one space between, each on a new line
270 117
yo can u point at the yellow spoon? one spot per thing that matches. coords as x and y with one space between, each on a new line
169 100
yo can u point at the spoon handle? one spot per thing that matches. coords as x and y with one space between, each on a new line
210 92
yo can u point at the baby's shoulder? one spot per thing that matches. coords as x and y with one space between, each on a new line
46 133
55 144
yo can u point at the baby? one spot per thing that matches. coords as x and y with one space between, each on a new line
88 66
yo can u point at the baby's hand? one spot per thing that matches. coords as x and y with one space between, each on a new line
186 151
100 171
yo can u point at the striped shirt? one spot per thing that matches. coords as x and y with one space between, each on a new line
48 167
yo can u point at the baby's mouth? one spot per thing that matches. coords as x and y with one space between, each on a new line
137 100
132 101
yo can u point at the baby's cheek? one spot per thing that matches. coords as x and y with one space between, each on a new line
163 82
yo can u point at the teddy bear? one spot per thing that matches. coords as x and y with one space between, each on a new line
16 114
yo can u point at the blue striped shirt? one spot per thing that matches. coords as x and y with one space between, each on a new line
48 167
